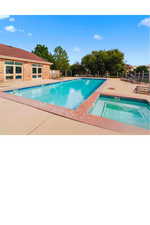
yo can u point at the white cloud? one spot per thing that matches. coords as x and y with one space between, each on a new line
29 34
145 22
12 19
10 28
97 37
2 17
76 49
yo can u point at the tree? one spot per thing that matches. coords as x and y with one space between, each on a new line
141 69
100 58
111 61
89 62
114 61
42 51
61 60
77 68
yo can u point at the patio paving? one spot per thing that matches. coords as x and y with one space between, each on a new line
16 118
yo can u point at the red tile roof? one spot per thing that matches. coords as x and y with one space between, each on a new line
6 50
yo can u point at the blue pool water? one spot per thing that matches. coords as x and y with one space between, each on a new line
69 94
129 111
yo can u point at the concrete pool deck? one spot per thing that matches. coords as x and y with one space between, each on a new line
16 118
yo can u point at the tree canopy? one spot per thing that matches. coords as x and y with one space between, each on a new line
97 62
103 61
142 69
42 51
61 60
77 68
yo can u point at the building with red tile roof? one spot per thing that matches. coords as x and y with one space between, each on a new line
16 63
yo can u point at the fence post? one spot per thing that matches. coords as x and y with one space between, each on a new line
139 76
142 76
65 73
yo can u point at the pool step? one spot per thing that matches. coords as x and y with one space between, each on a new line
98 108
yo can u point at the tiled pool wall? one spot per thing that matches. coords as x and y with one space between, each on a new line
130 111
34 86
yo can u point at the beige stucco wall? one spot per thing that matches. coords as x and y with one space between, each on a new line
46 72
27 70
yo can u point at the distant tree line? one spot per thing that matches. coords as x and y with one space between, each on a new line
101 62
141 69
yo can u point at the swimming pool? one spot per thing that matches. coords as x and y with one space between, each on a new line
69 94
125 110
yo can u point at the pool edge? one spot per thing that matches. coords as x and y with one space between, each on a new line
80 114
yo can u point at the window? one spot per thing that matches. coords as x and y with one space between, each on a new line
9 69
9 77
18 69
18 77
18 63
12 68
9 62
36 70
39 70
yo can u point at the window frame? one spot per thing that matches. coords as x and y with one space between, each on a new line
18 66
14 65
37 74
33 69
7 68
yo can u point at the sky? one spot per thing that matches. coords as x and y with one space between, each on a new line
79 35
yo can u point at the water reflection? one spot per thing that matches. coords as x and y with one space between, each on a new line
74 98
68 94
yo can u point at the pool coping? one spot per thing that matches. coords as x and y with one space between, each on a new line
80 114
